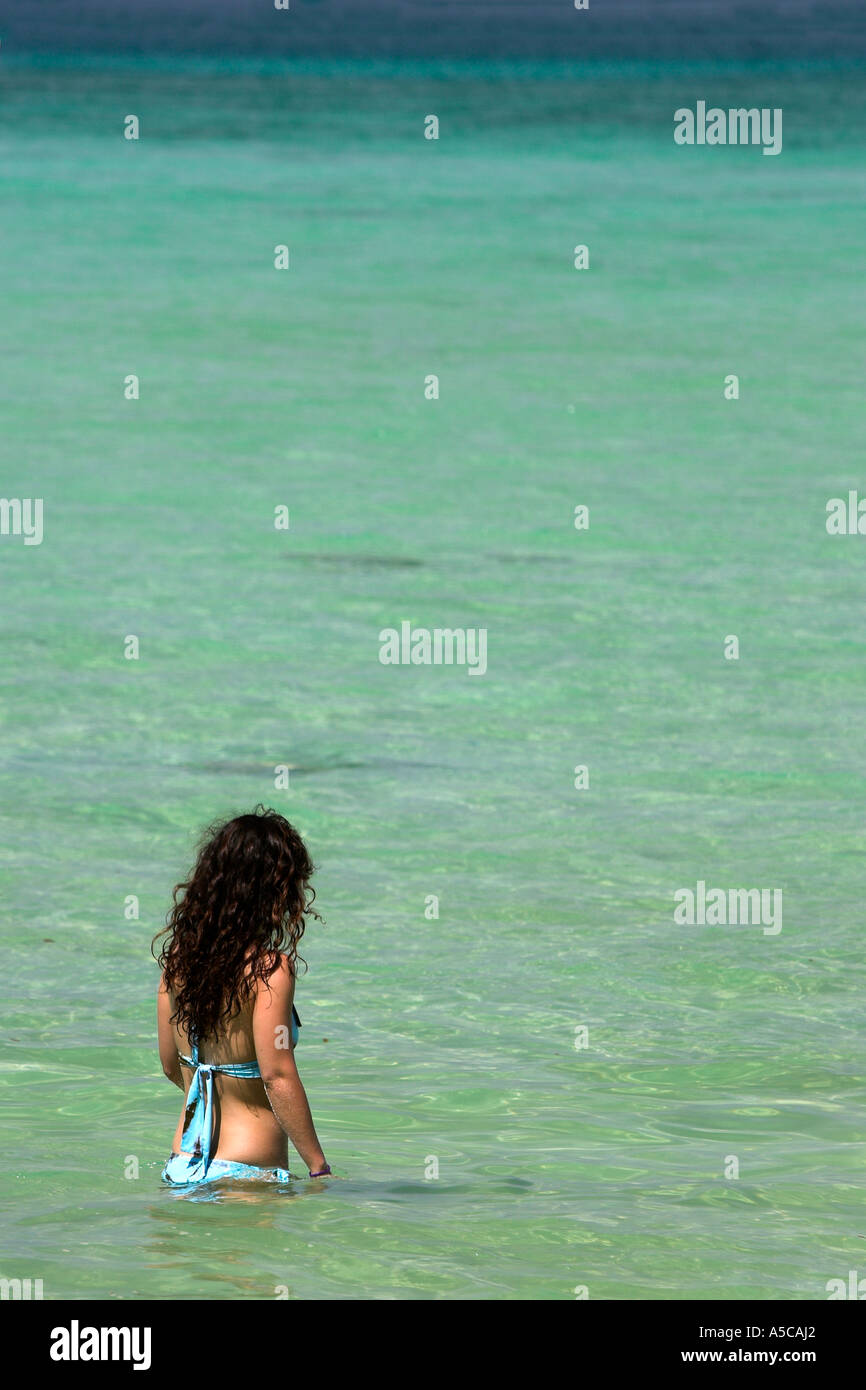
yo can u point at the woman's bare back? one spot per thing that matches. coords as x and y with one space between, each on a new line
246 1129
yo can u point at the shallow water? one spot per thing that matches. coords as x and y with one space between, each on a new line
449 1039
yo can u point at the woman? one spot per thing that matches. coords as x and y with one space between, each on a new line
227 1022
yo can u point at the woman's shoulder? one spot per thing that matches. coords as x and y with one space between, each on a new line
284 966
277 967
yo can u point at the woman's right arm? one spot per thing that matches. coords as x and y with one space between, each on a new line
272 1035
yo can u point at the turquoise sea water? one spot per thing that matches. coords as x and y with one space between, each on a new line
454 1038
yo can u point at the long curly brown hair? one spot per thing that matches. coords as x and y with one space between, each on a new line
246 900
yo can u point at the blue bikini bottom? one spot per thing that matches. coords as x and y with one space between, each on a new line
183 1169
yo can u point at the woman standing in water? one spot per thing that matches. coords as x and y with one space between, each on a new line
226 1016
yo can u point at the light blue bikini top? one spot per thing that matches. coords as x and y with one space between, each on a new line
199 1116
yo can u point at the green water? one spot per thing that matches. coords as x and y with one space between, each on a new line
453 1038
